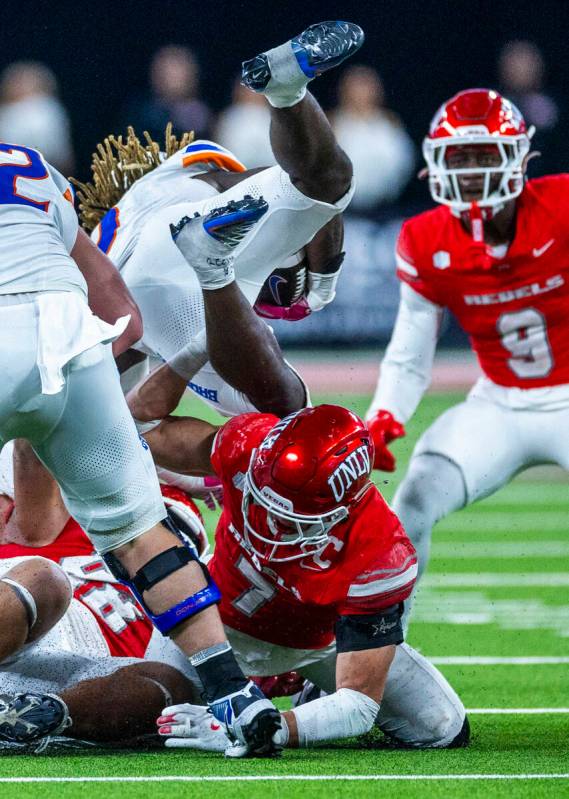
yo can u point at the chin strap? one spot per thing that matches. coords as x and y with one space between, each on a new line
476 217
476 223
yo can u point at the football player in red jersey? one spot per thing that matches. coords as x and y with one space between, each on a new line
314 567
69 628
496 253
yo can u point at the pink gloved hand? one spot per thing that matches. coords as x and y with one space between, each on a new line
300 310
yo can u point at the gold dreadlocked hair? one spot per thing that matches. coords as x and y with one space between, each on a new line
118 164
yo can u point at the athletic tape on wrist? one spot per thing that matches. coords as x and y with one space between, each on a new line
146 427
206 654
189 360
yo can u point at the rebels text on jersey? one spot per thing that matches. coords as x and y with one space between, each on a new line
514 306
369 564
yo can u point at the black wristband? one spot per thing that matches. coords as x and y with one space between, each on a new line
356 633
220 675
332 265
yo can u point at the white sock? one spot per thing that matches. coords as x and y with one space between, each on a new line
287 85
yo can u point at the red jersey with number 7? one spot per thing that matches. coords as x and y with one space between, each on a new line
369 564
514 305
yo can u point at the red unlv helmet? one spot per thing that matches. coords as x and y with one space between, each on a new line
480 117
306 475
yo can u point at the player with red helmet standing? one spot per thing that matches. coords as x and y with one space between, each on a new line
496 253
314 567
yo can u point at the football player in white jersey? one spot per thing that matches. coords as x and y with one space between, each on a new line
237 366
61 392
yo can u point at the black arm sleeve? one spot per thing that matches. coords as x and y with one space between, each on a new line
356 633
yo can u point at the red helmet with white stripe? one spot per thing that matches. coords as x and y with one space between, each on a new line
304 478
481 119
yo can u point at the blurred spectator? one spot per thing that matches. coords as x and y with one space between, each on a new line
173 97
374 138
244 127
521 70
31 113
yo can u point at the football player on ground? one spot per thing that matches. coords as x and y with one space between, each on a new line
61 392
69 628
314 568
297 204
496 253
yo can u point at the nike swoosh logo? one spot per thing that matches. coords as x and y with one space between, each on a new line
537 252
274 283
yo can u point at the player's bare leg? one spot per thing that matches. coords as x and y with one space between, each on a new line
243 351
301 137
256 366
195 633
305 146
126 703
34 595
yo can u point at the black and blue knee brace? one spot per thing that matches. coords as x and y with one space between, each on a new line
160 568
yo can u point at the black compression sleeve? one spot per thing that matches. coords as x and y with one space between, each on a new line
356 633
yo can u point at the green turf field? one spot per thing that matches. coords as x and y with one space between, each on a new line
497 591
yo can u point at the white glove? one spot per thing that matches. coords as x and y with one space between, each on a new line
192 727
321 289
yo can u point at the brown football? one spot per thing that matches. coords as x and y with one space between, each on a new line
285 285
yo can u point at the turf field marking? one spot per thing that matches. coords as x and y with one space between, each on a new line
497 580
476 608
513 550
489 520
474 660
515 711
293 777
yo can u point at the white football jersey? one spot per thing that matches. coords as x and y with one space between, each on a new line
38 225
168 184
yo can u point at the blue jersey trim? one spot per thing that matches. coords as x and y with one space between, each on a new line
196 148
108 229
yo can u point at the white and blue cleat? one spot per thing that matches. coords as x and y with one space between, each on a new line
316 50
25 718
207 242
251 721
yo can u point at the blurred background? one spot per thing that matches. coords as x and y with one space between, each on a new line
70 73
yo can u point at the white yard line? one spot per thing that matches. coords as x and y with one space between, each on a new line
475 660
292 778
496 580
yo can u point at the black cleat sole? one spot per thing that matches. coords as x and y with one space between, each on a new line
29 717
259 734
